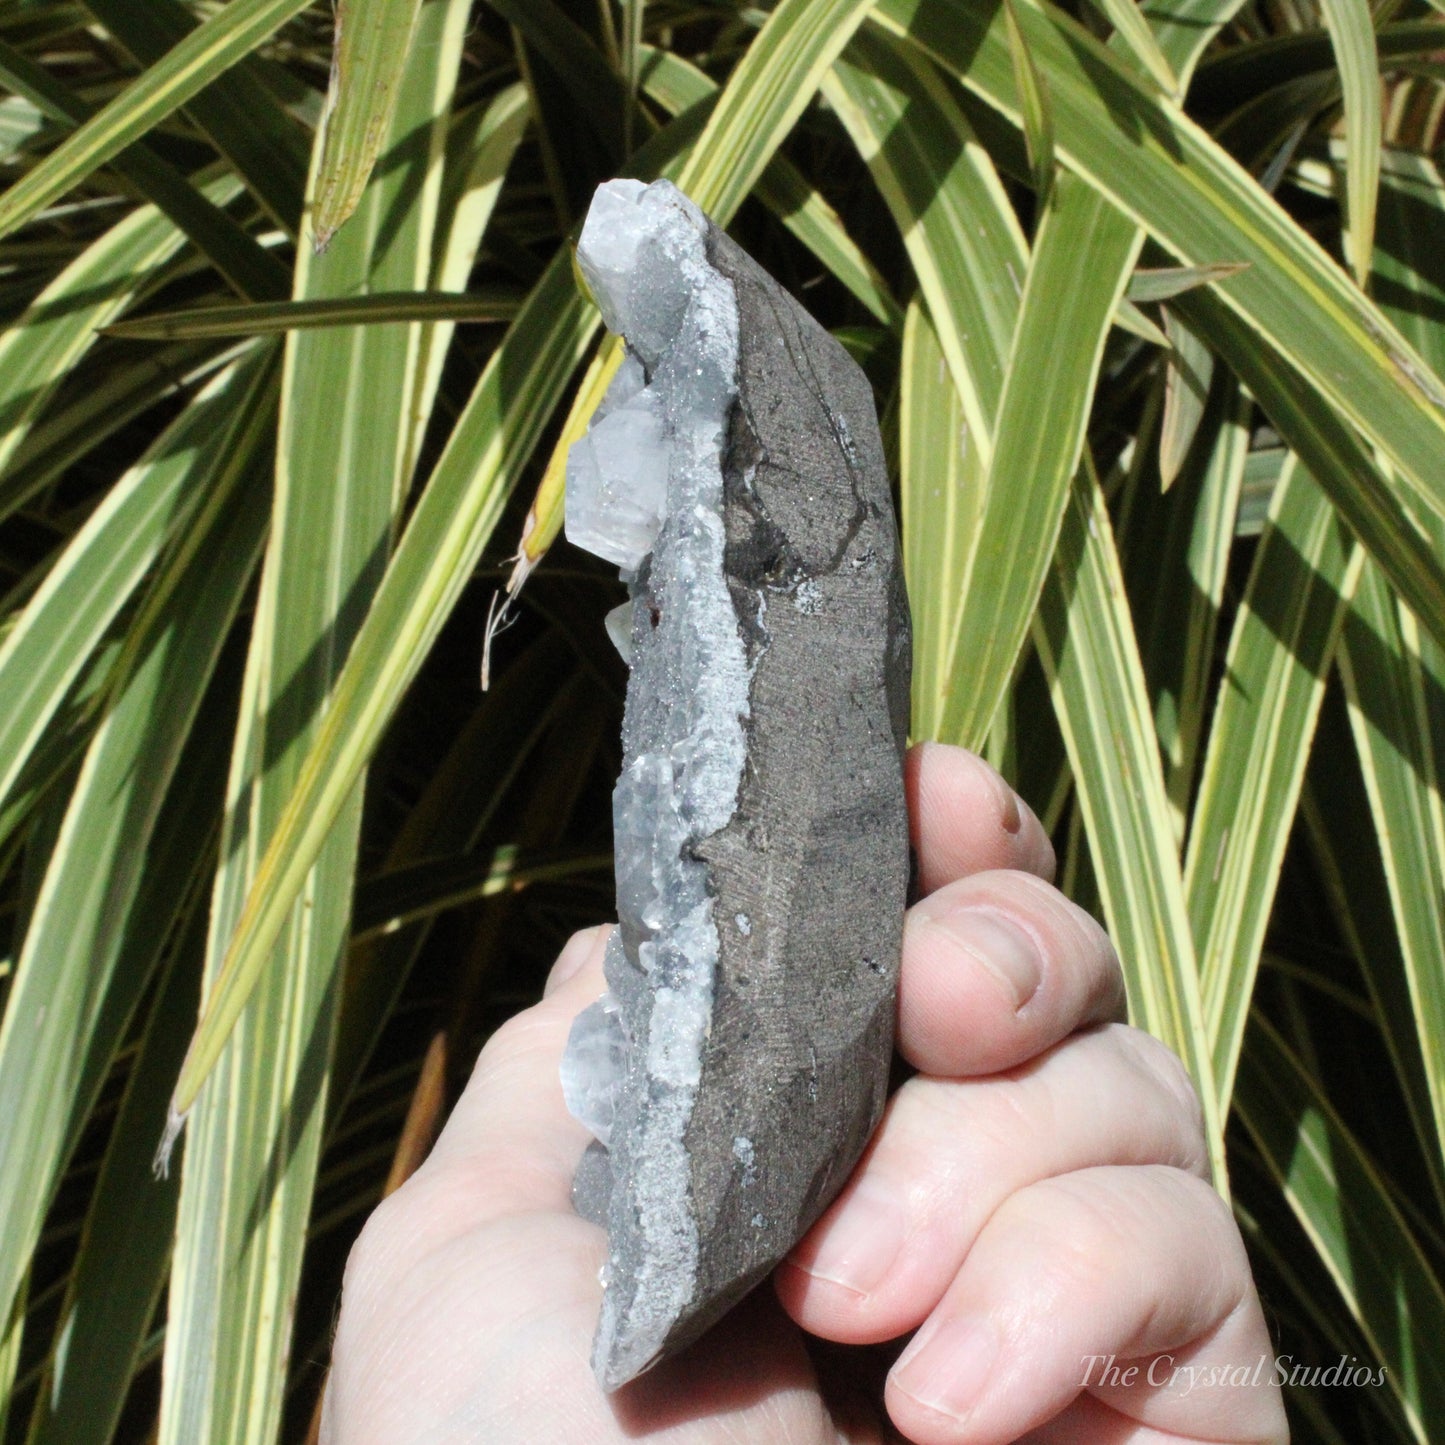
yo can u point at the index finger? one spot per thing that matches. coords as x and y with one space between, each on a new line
964 818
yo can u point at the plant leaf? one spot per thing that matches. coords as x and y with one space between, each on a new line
373 39
1168 175
161 90
248 1176
1085 640
1352 34
1188 369
376 308
1279 655
1339 1198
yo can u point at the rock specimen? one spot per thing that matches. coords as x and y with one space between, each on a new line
739 1061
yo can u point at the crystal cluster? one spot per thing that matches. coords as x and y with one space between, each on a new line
736 1065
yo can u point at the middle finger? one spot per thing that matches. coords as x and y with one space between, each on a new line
949 1152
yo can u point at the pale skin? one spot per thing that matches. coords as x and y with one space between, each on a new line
1036 1199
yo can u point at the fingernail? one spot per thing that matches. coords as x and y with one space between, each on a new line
946 1367
860 1243
1006 950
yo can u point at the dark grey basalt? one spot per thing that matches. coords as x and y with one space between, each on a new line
740 1060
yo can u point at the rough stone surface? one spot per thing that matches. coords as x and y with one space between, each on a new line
739 1062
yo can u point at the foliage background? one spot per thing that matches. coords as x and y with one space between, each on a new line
1154 304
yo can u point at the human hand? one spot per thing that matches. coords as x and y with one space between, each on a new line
1035 1199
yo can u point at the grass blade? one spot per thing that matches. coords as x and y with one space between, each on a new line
125 1251
941 482
769 89
374 309
1340 1199
373 38
236 110
1395 682
1178 556
54 1046
88 585
249 1170
1201 206
1085 639
1162 283
160 91
1352 34
678 85
950 208
43 344
250 269
1336 811
1333 456
1038 117
1279 656
1189 367
1133 29
479 154
1082 256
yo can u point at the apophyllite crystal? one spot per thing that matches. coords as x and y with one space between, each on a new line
739 1060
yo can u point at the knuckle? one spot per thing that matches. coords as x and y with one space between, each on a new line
1086 1250
374 1256
1169 1071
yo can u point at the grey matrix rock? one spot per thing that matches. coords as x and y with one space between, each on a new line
739 1061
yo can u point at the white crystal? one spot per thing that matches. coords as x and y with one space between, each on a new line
618 623
593 1064
617 482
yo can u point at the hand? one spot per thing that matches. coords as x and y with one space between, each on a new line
1035 1206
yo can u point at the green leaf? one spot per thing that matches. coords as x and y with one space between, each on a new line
124 1252
1340 1199
768 90
254 272
1189 367
678 85
1166 173
1178 550
1085 640
1274 678
950 209
341 479
1082 255
89 420
1352 34
1162 283
478 155
373 39
63 1019
1335 809
202 451
1233 75
1131 319
41 346
1038 117
1333 456
236 110
209 50
374 309
408 895
1133 29
941 486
